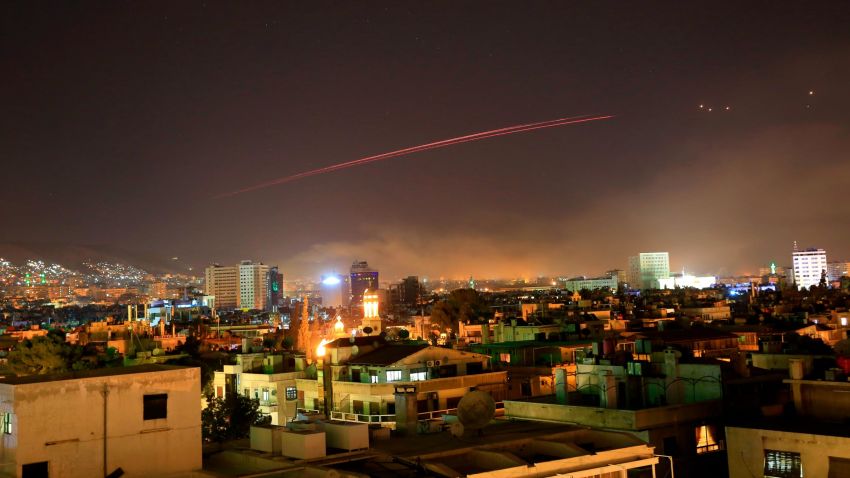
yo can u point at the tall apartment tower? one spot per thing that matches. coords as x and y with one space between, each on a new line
363 278
244 286
646 268
808 266
275 289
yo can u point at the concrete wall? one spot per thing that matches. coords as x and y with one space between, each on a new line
63 421
633 420
745 449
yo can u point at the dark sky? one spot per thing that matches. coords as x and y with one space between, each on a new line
122 120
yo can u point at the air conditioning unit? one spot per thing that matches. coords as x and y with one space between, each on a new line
436 363
430 363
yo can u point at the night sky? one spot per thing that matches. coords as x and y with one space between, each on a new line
122 122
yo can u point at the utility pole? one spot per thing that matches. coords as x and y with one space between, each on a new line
105 393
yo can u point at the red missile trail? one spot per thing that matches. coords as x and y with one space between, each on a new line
423 147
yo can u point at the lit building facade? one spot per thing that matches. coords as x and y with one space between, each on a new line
371 314
808 267
222 283
647 269
578 283
363 278
245 285
686 280
835 270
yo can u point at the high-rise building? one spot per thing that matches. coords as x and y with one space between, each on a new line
275 288
646 268
835 270
253 285
223 283
410 290
619 273
363 277
244 286
808 265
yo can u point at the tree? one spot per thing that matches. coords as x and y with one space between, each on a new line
461 305
230 418
46 354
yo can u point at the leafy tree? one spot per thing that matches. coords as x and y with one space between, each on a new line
230 418
842 348
46 354
462 305
191 346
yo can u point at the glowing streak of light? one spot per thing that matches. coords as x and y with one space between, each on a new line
424 147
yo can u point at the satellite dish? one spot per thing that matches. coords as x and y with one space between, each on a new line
475 410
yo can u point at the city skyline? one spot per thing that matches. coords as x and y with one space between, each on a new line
120 125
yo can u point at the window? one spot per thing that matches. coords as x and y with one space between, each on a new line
782 464
838 467
155 406
219 392
7 423
35 470
505 358
291 393
265 395
373 377
706 441
393 375
418 375
474 368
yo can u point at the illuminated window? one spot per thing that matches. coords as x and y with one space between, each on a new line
291 393
393 375
706 441
418 376
265 395
505 358
7 423
373 377
782 464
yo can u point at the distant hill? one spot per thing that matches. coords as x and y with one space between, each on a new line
72 256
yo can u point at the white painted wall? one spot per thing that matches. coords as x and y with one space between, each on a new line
62 422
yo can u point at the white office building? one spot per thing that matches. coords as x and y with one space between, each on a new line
808 267
647 269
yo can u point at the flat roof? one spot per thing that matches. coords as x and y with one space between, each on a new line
533 343
101 372
387 355
795 424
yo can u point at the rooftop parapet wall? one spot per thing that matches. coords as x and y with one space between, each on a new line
611 418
